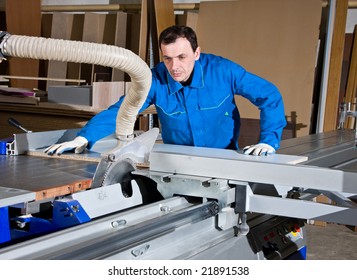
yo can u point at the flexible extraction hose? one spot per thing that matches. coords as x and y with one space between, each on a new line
91 53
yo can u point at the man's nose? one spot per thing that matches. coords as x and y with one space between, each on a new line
175 63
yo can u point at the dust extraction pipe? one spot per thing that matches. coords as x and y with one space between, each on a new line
91 53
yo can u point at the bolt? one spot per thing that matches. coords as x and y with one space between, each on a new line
165 209
118 223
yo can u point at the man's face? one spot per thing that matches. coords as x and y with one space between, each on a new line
179 59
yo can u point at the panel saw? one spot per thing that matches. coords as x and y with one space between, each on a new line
189 203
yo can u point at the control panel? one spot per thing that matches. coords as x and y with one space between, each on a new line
279 237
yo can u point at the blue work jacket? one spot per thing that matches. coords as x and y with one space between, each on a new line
203 113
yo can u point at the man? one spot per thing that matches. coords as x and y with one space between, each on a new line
193 94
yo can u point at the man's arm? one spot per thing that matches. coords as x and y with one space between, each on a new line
269 101
98 127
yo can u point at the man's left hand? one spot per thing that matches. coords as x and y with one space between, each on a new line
259 149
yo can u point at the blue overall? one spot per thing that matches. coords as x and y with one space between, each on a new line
203 113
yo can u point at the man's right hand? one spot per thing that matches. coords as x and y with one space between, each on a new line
78 145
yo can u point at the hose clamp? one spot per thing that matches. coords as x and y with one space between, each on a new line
126 138
3 39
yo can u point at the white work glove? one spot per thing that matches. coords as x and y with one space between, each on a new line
78 145
259 149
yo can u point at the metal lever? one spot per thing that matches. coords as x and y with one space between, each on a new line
16 124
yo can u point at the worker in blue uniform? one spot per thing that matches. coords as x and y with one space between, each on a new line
193 93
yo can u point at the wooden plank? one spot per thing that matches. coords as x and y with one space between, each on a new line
144 28
189 19
46 26
336 58
106 93
120 41
192 19
97 28
93 29
351 89
164 15
23 17
73 69
62 24
104 73
133 32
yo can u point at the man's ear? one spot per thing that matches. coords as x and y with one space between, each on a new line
197 53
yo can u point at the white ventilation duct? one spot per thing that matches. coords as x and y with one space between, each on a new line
91 53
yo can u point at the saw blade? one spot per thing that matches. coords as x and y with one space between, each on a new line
100 173
117 164
118 172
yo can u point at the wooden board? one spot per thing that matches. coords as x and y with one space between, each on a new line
144 32
335 69
351 89
273 39
73 69
164 15
47 177
105 94
93 29
62 24
189 19
23 17
120 41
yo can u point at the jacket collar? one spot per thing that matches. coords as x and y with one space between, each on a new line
197 79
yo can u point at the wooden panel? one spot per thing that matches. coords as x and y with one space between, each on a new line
62 24
106 94
23 17
93 30
133 33
73 69
282 50
335 70
97 28
351 89
144 28
47 177
46 26
189 19
164 14
103 73
120 41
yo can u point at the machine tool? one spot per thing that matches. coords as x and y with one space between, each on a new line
135 198
186 203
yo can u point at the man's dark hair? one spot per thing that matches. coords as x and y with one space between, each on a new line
172 33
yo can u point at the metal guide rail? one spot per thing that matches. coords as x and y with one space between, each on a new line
296 184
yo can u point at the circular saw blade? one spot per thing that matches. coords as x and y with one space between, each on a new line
118 172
